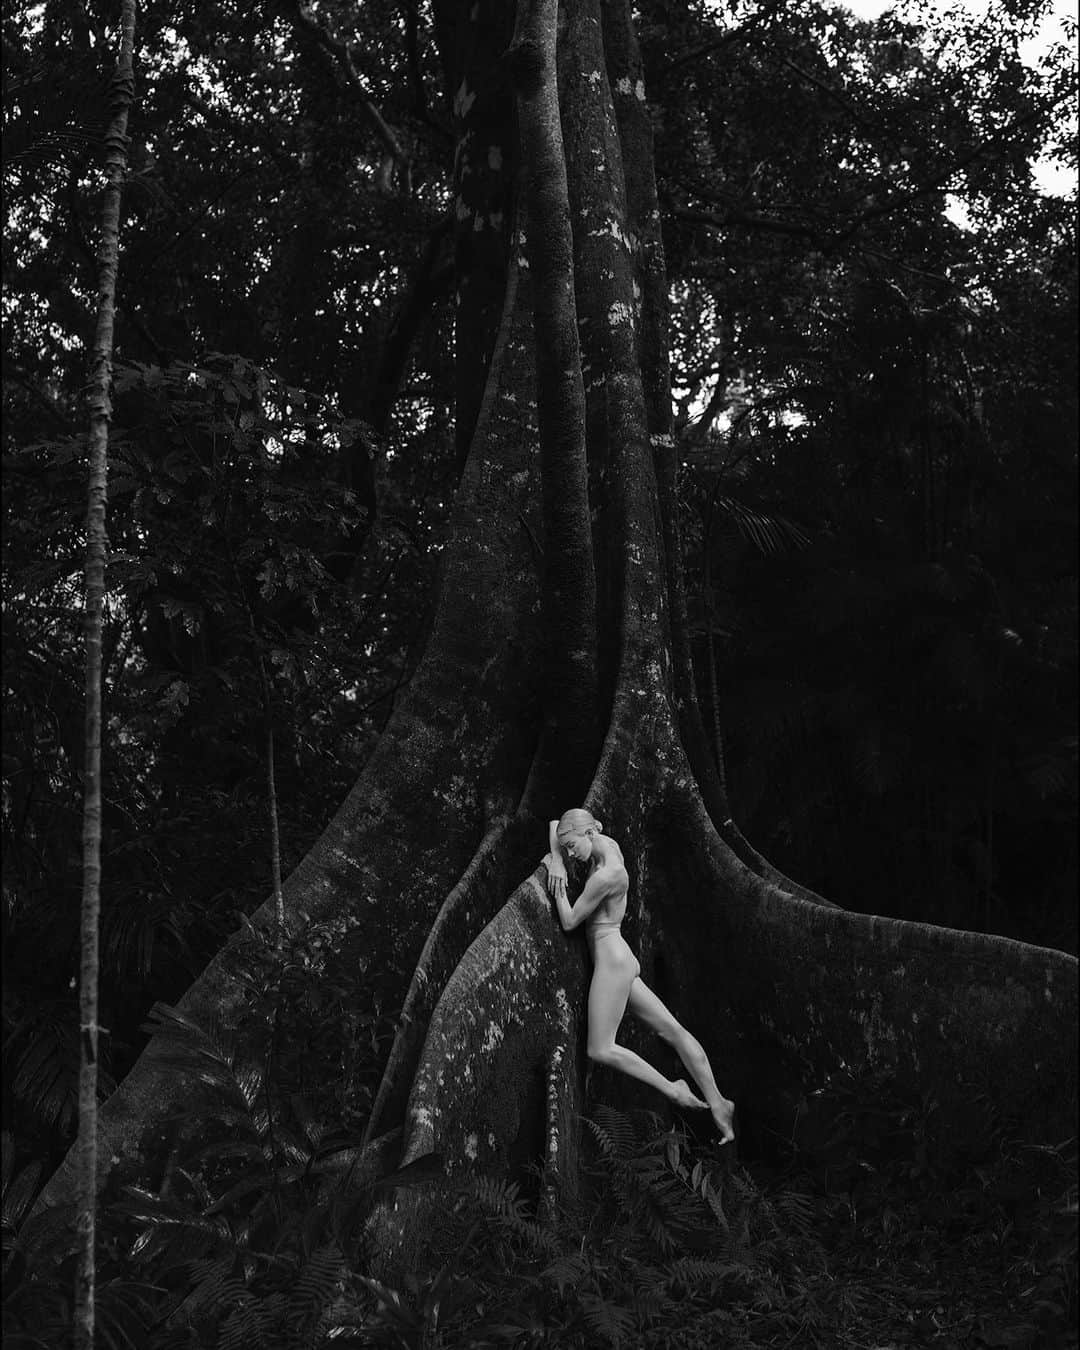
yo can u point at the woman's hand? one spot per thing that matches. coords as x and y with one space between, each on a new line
556 870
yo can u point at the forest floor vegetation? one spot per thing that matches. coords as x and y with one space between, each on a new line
887 1235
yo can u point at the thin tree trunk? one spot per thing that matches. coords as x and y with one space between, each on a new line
100 408
711 657
275 837
271 774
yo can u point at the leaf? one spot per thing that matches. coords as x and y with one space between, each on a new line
673 1152
7 1153
249 1185
390 1302
232 1148
1019 1335
19 1195
419 1172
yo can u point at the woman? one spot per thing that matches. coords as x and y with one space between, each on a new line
616 982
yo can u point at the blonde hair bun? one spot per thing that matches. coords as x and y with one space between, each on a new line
579 819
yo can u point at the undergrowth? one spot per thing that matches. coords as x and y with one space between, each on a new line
875 1229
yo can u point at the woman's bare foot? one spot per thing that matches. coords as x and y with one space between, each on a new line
683 1096
723 1113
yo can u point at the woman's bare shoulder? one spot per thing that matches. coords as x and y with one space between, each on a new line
613 854
613 871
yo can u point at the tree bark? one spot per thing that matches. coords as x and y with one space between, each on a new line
121 92
433 857
569 580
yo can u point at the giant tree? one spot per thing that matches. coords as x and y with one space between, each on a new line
558 671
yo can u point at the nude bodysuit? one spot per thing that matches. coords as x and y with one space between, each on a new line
613 952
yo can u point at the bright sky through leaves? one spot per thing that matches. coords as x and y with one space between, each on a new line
1052 178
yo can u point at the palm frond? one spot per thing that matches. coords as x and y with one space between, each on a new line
7 1158
19 1195
46 1072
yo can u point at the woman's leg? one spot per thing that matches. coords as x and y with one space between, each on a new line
608 993
644 1004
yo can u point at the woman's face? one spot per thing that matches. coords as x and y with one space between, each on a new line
577 843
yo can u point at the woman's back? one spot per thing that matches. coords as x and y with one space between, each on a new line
610 911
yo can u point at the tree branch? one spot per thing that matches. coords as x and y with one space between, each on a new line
841 99
740 34
771 224
350 79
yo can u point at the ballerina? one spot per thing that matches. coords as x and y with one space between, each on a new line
616 981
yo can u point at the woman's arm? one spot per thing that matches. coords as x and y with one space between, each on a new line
598 887
555 864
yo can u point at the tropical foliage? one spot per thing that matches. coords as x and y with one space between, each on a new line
873 342
882 1228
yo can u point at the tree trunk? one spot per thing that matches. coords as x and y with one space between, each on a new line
433 857
100 407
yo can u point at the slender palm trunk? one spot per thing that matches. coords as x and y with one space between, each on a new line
100 408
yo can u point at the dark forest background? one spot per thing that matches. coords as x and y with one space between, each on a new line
877 417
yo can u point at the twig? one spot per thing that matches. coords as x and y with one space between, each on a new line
740 34
350 77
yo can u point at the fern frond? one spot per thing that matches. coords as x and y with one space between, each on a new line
797 1208
319 1281
241 1330
716 1205
123 1311
568 1269
650 1304
496 1195
617 1127
536 1236
693 1273
604 1140
607 1320
272 1313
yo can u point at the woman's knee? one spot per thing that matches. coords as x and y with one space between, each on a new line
600 1054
